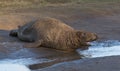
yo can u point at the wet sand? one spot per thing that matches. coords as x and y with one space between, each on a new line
106 26
96 64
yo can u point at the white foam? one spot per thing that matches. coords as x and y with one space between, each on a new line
13 67
102 49
101 52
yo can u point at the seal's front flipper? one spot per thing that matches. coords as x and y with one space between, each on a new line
34 44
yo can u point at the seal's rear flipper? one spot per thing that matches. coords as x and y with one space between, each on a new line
13 33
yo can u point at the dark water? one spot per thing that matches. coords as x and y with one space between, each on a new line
102 49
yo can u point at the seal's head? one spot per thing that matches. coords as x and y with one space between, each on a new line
87 36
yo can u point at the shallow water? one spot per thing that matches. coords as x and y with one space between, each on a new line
15 53
98 49
24 61
102 49
20 64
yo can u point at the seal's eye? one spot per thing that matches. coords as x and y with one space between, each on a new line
83 34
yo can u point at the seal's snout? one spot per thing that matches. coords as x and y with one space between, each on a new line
91 37
94 37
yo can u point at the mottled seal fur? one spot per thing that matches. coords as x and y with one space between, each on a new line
52 33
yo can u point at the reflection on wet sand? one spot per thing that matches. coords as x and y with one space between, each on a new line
35 58
56 59
36 63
